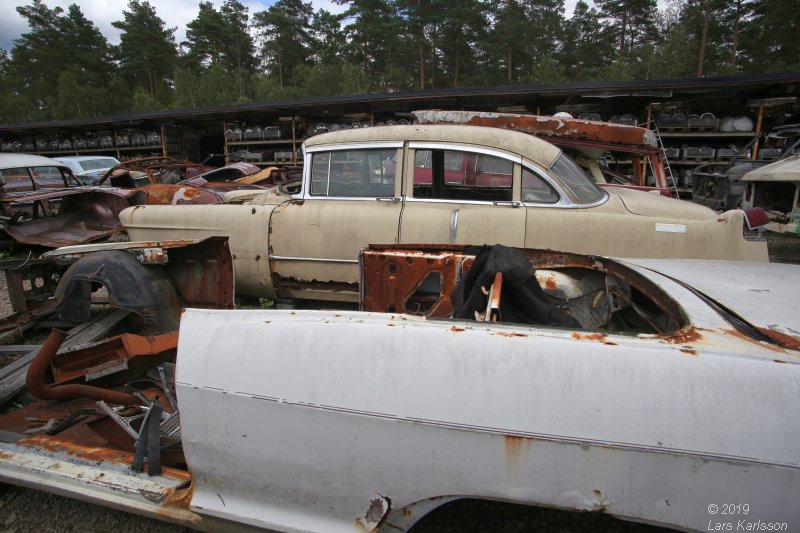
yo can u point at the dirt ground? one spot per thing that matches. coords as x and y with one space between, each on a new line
29 511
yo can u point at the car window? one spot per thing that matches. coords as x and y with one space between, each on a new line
585 191
353 173
48 177
537 190
462 175
97 164
16 179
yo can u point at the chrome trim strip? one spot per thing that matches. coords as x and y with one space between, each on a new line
312 259
459 147
453 226
353 146
494 203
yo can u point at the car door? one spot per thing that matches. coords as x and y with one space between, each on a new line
461 195
350 199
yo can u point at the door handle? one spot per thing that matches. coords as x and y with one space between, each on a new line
392 200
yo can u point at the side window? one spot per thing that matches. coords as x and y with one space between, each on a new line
353 173
537 190
48 177
461 175
16 179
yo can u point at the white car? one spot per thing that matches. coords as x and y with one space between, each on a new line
89 168
672 401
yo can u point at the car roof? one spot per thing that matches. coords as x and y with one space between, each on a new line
527 146
27 160
83 157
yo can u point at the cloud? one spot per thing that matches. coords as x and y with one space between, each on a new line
175 13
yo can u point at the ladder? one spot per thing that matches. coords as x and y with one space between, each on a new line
670 177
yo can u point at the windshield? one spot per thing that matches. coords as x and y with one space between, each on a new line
585 191
98 164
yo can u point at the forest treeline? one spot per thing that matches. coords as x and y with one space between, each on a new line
63 67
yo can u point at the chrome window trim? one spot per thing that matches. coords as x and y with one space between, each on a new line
308 153
564 199
312 259
353 146
408 186
565 202
493 203
460 147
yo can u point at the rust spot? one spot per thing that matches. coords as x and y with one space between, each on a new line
689 351
514 448
786 341
390 325
551 283
180 497
4 455
456 330
599 337
779 361
744 337
684 336
94 453
510 334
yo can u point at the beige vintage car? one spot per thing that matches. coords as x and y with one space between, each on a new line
435 184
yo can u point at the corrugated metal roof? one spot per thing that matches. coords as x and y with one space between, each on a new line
415 99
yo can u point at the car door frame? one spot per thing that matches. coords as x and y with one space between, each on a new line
306 266
461 212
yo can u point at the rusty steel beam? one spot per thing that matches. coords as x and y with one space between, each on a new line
544 126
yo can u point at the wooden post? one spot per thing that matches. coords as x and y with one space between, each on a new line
225 137
163 142
758 131
116 146
294 144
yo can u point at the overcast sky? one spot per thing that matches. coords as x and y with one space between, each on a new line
176 13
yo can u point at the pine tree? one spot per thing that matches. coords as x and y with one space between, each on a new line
147 52
286 33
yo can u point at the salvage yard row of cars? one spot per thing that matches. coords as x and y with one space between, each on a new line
497 352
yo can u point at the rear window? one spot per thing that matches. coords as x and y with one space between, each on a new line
97 164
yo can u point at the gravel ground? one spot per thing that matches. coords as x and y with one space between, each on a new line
29 511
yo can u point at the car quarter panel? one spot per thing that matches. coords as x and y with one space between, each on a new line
350 404
247 227
610 229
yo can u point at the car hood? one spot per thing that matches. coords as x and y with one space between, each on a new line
651 204
763 294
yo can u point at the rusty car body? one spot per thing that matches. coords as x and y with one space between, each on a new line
615 155
375 185
776 189
169 181
45 205
647 397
